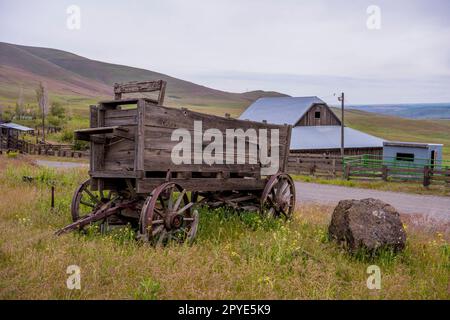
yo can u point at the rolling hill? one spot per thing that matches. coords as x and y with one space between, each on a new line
70 77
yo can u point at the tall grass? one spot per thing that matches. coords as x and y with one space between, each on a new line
235 256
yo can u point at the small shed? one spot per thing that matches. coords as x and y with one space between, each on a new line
9 134
413 153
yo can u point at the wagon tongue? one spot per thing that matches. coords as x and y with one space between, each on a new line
103 212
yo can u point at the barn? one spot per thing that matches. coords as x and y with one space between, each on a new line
316 129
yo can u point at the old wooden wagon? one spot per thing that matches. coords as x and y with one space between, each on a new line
136 178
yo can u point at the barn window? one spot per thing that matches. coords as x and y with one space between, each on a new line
405 157
317 114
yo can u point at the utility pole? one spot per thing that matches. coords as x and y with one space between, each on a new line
341 99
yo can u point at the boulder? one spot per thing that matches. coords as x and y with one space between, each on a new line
367 224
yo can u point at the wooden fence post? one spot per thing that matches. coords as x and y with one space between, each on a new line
334 167
384 173
347 172
426 176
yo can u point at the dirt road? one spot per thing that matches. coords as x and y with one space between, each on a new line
60 164
435 207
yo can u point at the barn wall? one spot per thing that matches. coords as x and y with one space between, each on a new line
327 117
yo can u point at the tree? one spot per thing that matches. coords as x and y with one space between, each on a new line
19 111
57 110
41 96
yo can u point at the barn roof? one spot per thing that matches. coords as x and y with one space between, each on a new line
279 110
329 137
15 126
410 144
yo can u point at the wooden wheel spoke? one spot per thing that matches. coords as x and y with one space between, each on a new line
178 202
162 236
190 204
157 221
281 209
92 196
162 202
283 188
271 200
170 202
87 204
157 230
160 212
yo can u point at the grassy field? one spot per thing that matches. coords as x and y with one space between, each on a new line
234 256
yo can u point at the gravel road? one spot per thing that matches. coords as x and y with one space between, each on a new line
60 164
435 207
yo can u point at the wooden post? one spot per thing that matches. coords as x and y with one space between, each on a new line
334 167
347 172
384 174
426 176
341 98
53 197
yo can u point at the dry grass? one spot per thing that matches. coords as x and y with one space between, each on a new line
234 257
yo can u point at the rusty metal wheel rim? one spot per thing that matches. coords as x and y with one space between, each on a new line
166 217
278 198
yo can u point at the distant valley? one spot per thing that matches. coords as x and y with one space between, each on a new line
411 111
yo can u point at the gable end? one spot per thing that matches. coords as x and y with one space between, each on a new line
319 114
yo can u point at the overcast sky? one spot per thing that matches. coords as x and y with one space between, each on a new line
296 47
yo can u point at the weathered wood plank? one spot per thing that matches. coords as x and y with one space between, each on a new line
204 184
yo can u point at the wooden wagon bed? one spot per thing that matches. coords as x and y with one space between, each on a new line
132 156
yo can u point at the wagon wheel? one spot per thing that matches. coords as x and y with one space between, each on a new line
85 201
166 216
278 198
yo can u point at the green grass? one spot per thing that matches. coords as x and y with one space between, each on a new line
234 256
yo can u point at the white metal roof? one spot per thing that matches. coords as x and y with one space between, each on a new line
410 144
329 137
279 110
15 126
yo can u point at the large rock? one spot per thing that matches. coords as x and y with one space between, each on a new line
367 224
